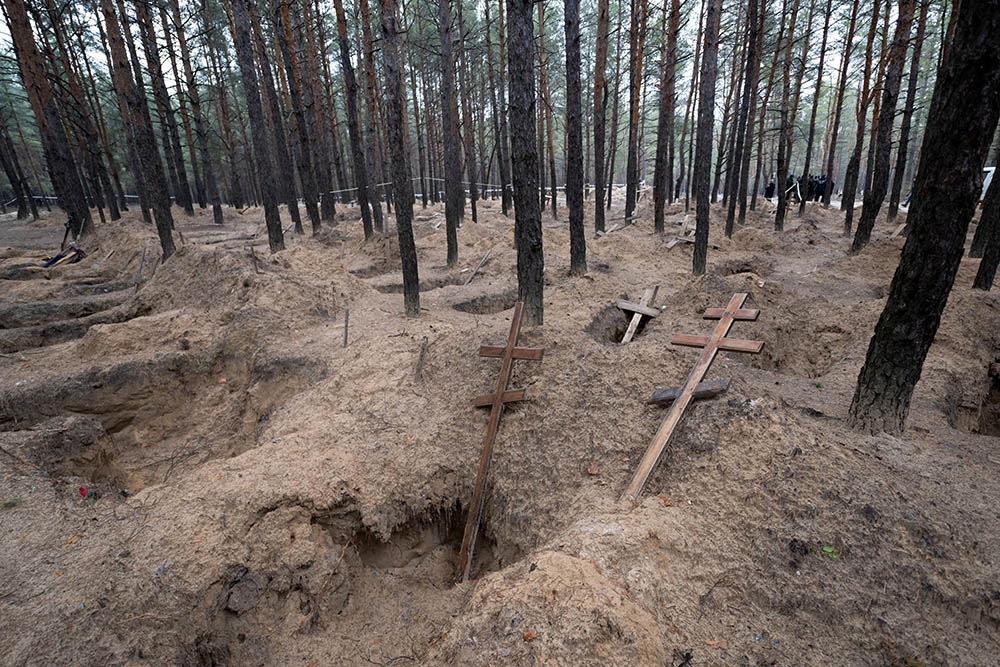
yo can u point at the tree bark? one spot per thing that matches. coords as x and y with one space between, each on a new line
815 105
989 226
283 28
911 98
258 126
737 190
172 142
784 136
600 110
663 172
964 109
466 95
146 153
875 195
524 158
574 139
703 153
637 39
353 129
62 167
454 203
286 173
839 105
854 163
402 187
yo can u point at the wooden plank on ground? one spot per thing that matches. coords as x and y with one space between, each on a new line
706 389
670 422
725 344
745 314
648 297
486 256
637 308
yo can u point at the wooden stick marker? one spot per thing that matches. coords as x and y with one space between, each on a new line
494 401
693 387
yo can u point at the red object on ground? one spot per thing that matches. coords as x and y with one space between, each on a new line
83 492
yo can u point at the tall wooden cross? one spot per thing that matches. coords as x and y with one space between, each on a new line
694 387
495 401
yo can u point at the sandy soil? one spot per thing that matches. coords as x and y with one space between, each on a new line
195 469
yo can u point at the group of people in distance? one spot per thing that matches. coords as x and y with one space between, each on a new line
811 188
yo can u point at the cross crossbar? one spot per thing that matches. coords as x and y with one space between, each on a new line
530 353
496 400
648 296
725 344
711 346
746 314
638 308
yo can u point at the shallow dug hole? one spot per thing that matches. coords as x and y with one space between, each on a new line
425 285
488 304
610 324
431 545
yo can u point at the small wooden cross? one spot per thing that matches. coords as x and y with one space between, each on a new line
495 401
693 386
642 309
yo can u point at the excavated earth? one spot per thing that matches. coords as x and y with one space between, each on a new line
196 470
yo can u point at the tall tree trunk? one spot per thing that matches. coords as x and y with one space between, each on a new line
172 142
208 186
416 112
911 98
283 28
761 164
637 39
8 160
689 112
875 195
454 204
574 140
662 174
964 109
989 226
737 187
258 126
613 153
199 185
146 153
524 158
839 105
286 174
374 153
706 126
785 136
816 96
353 129
466 95
600 111
62 167
854 163
402 187
546 107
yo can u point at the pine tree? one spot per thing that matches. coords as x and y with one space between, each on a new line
574 138
524 158
706 125
964 109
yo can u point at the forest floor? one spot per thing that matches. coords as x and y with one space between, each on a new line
194 469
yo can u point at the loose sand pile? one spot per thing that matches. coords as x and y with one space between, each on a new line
196 470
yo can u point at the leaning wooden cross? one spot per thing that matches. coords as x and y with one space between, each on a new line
694 387
495 401
642 309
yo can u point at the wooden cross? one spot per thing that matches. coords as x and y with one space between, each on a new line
640 310
507 355
693 386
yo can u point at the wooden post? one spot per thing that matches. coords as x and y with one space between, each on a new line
648 296
496 400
